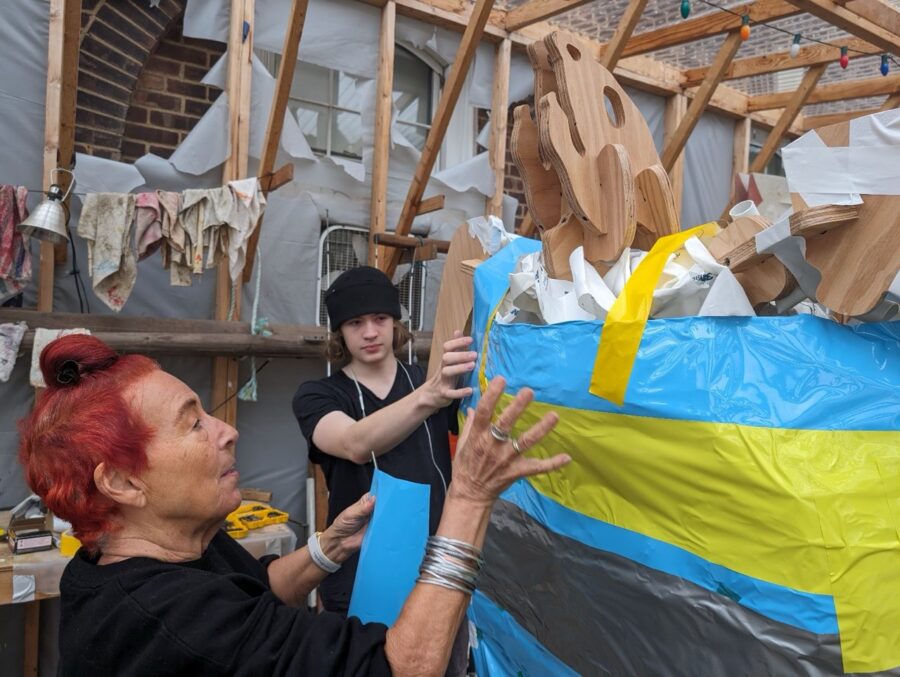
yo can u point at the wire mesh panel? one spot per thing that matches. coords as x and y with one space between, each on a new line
344 247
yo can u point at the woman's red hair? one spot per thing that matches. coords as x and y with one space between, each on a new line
81 420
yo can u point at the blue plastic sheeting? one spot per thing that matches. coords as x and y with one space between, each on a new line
505 648
392 549
797 372
812 612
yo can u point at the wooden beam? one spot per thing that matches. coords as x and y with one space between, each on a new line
679 139
740 163
740 157
814 121
810 55
891 102
876 11
539 10
451 14
807 85
676 108
838 91
499 117
240 53
277 111
382 143
616 45
431 204
407 242
59 118
32 626
707 25
452 88
853 23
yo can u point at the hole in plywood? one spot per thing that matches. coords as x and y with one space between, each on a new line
574 52
613 105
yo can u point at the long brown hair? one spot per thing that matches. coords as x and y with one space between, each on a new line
336 348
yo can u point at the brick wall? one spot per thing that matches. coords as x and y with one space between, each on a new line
168 98
138 81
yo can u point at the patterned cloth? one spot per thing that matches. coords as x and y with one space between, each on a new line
15 255
11 334
107 221
249 203
147 224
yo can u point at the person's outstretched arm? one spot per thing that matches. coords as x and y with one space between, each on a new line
419 643
339 435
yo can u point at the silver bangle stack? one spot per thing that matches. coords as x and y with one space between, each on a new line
451 564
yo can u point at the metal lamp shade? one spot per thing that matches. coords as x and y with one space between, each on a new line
47 222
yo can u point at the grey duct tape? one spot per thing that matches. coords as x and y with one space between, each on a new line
791 251
603 614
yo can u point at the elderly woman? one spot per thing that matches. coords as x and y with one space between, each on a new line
126 453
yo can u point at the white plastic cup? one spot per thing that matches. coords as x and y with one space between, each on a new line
745 208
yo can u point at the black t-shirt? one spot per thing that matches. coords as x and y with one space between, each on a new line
347 481
211 616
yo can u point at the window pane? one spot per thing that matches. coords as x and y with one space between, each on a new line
311 83
412 87
313 121
415 135
346 95
346 135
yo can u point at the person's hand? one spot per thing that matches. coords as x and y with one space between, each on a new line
485 466
344 536
441 389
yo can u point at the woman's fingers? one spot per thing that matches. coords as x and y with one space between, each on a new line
488 402
537 432
538 466
456 369
459 393
514 409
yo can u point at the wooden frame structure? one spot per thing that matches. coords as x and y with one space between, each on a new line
874 25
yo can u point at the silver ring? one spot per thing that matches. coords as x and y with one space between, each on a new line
516 446
498 434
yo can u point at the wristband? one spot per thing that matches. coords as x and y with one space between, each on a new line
319 558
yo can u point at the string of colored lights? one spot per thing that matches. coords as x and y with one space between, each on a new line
796 38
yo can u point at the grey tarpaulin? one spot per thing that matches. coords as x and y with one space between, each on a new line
707 170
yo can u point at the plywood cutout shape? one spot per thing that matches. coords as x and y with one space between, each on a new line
767 281
656 213
589 112
558 244
857 262
617 208
456 295
543 193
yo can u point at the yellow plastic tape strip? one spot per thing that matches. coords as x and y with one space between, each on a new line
816 516
627 318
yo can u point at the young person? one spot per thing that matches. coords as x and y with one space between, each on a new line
376 406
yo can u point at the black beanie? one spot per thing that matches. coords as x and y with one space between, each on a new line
360 291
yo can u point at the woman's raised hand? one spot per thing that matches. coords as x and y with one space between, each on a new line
488 457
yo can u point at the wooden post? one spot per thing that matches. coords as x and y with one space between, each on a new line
891 102
59 119
277 111
499 115
740 157
807 85
676 108
382 145
704 93
464 55
616 46
240 53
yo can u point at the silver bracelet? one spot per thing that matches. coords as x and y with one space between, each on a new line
319 558
451 564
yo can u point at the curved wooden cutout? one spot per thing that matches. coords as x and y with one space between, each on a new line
543 194
617 208
656 213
